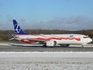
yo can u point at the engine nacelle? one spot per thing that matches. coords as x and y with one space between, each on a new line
51 43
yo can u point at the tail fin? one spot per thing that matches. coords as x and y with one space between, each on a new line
17 28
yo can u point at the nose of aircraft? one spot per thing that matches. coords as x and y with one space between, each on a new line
90 40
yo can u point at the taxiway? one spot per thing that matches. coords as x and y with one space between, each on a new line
39 48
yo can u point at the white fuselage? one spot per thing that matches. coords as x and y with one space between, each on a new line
59 38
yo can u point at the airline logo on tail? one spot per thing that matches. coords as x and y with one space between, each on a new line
17 28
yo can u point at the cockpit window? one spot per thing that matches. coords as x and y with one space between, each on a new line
85 37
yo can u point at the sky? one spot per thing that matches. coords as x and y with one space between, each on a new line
47 14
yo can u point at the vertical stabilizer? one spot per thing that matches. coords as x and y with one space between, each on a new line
17 28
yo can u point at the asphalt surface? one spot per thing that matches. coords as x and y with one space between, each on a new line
39 48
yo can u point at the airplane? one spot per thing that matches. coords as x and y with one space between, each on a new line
49 40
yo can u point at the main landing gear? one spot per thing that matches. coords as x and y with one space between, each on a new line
44 45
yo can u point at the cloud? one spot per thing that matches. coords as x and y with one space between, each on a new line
7 24
1 24
22 20
71 23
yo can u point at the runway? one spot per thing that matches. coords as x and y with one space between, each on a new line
38 48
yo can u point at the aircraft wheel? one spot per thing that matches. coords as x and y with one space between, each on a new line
82 46
44 45
54 45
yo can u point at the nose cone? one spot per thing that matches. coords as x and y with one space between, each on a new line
90 40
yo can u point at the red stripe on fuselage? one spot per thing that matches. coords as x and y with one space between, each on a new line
78 39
